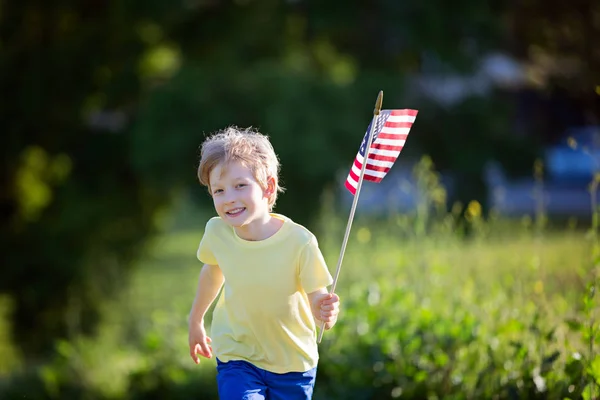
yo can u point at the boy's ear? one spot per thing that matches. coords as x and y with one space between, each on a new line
270 186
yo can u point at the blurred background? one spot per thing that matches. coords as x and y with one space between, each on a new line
471 269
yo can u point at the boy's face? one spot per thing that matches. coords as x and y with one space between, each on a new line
238 197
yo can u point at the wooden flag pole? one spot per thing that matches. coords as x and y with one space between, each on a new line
376 112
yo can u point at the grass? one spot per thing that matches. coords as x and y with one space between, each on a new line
501 281
507 312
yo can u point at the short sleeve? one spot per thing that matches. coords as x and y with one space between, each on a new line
205 253
314 274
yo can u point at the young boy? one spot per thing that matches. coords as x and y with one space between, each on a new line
274 276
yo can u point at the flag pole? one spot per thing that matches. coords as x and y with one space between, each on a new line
376 112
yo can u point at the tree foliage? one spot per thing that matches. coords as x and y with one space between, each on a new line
106 104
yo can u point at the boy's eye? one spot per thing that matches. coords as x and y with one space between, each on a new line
217 191
241 185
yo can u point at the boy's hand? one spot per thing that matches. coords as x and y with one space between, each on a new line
326 307
199 342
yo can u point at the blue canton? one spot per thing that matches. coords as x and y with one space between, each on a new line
381 119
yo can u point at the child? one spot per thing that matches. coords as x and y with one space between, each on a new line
274 276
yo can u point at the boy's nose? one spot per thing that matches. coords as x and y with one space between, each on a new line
230 198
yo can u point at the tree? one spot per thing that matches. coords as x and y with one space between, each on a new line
74 210
558 42
110 101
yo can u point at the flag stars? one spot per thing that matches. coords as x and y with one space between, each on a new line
381 120
383 152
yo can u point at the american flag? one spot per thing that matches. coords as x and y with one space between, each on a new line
389 137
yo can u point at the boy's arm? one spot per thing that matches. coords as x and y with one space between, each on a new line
325 306
209 283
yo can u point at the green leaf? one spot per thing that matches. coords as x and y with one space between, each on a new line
548 361
573 324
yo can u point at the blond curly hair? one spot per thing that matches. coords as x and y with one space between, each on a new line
246 145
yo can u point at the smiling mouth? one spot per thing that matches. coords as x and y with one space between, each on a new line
235 211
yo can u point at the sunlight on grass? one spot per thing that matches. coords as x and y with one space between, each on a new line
427 312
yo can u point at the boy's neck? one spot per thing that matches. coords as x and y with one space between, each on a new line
260 229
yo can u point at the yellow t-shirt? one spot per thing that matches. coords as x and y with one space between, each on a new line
263 315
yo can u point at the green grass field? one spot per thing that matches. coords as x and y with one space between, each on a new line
450 305
504 313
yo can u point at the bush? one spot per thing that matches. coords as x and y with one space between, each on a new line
508 312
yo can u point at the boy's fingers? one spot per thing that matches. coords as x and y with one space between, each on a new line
326 318
331 298
206 351
194 353
330 306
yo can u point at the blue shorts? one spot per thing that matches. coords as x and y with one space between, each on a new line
240 380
